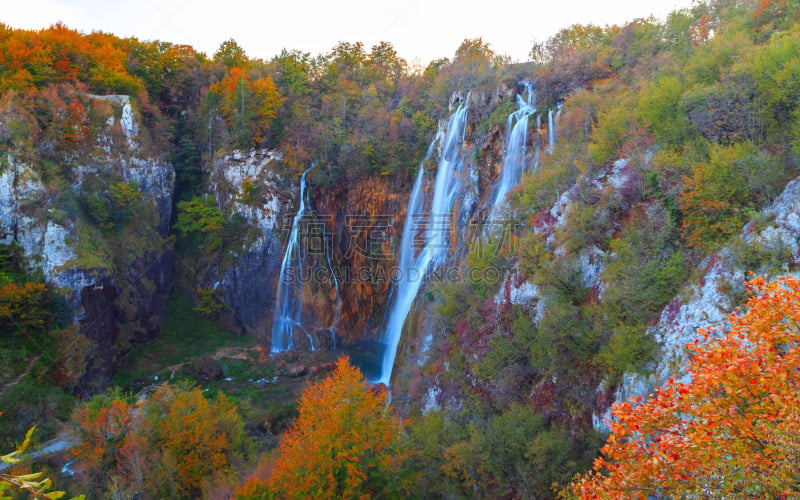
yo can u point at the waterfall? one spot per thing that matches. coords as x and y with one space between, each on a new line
552 127
538 144
555 124
447 185
514 154
288 303
412 267
410 271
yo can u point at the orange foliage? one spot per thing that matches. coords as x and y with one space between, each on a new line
249 105
346 443
253 489
701 30
774 15
707 220
23 309
195 433
174 444
734 432
102 430
59 54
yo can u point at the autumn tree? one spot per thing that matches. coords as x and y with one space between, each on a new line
248 105
733 432
346 443
197 441
171 445
23 308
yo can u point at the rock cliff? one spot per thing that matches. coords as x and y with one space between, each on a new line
95 223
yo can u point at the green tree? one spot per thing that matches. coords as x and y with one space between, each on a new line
231 54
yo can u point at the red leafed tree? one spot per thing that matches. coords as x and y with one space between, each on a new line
733 432
346 443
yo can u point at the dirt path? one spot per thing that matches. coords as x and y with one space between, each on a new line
232 352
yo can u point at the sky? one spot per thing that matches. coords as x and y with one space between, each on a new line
420 30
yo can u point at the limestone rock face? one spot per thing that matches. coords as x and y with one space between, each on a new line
717 294
95 224
246 186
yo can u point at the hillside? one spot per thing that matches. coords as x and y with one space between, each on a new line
510 248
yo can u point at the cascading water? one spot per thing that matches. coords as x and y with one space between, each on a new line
447 185
552 127
412 267
514 155
288 303
555 123
410 271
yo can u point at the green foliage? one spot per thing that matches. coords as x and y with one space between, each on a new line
231 54
514 455
207 303
776 71
497 119
199 215
250 191
185 334
661 107
721 194
34 400
612 129
645 274
587 225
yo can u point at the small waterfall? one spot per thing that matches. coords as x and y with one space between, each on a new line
555 124
514 155
288 302
552 127
412 267
538 143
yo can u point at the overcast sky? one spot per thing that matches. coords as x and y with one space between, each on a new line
420 30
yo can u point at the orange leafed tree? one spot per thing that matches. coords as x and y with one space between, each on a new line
249 106
734 432
346 443
174 444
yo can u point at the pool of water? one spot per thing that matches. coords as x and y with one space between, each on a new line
367 356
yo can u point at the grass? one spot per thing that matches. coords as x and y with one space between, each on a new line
185 334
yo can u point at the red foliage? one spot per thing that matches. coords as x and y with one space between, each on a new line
734 431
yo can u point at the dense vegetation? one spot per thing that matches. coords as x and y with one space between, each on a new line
703 108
